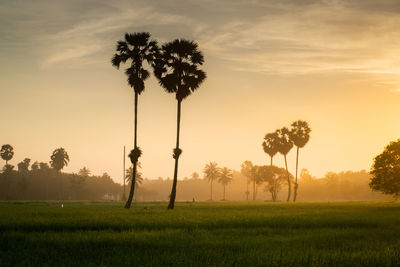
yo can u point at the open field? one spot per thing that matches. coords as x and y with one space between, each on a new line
200 234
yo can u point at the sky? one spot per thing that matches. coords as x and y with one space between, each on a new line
332 63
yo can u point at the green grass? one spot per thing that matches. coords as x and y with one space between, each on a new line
199 234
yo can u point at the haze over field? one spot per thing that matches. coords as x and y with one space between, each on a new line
331 63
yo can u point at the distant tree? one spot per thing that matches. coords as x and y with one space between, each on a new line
43 166
7 152
59 159
136 48
211 173
270 144
35 166
248 170
7 169
284 146
177 69
23 166
225 178
195 176
139 176
78 183
386 170
299 134
274 178
85 172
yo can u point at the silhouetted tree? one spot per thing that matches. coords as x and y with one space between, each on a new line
177 69
59 159
7 152
274 177
270 145
136 48
386 170
23 166
211 173
284 146
7 169
139 176
85 172
248 170
35 166
195 176
299 135
225 178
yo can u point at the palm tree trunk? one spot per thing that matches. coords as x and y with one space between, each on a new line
271 161
133 180
123 175
254 188
296 184
224 192
288 180
211 190
173 191
247 192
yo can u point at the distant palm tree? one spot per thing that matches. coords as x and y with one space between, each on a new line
225 178
284 146
270 145
177 69
139 176
299 135
59 159
211 173
248 170
136 48
85 172
7 152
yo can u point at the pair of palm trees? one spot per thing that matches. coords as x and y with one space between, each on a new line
212 172
282 141
176 66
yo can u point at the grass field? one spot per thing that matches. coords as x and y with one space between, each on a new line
200 234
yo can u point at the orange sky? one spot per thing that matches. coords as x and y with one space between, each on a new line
268 63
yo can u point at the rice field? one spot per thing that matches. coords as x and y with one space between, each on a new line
199 234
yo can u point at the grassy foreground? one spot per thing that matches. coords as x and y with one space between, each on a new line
200 234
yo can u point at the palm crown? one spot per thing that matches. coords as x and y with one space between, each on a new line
177 68
211 171
137 48
300 133
225 176
284 142
270 145
59 159
7 152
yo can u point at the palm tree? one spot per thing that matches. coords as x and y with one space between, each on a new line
7 152
299 135
270 145
211 173
248 170
59 159
284 146
177 69
138 178
136 48
225 177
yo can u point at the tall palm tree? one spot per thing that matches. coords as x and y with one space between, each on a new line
225 178
59 159
299 135
177 69
284 146
7 152
138 178
270 145
136 48
211 173
248 170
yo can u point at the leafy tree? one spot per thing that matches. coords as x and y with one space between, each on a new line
386 170
136 48
195 176
43 166
274 177
7 152
177 69
299 134
85 172
211 173
270 144
78 183
248 170
284 146
225 177
23 166
7 169
35 166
